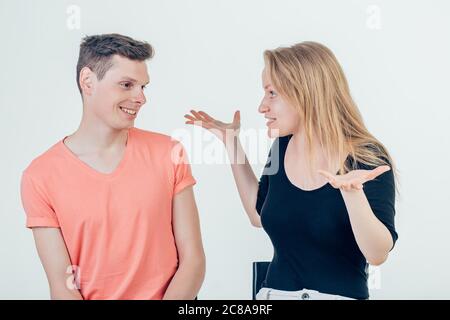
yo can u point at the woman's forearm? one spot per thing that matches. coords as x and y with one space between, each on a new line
373 238
246 181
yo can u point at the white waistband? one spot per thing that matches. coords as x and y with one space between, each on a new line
305 294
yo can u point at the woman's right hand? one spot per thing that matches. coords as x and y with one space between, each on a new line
224 131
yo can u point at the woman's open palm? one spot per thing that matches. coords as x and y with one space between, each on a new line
353 180
221 129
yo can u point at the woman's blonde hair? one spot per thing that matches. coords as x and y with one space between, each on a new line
308 76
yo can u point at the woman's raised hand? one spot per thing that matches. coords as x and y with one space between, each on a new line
224 131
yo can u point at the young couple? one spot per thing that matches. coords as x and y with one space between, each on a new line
112 207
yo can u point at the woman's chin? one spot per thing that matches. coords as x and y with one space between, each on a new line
273 133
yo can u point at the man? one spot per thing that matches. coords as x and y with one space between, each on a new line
111 206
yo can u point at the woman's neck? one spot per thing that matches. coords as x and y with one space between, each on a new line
317 153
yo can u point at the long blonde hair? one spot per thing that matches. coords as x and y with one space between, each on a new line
308 76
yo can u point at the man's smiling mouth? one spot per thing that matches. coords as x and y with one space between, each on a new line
129 111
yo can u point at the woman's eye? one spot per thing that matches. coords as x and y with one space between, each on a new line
272 93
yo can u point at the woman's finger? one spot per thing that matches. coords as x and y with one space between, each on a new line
378 171
326 174
237 117
342 187
334 183
206 116
190 117
331 179
347 186
195 123
197 115
356 185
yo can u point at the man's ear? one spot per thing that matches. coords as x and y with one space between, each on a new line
87 80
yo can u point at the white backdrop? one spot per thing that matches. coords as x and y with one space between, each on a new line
209 56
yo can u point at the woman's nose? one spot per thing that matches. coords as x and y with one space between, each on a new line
263 108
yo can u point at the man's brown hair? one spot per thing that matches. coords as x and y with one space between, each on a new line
96 52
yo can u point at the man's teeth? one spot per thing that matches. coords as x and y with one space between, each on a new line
132 112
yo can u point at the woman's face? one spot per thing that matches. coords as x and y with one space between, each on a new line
282 118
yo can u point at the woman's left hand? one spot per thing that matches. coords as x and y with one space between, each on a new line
353 180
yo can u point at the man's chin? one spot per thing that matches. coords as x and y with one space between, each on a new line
123 125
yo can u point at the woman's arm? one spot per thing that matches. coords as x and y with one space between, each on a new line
373 238
246 181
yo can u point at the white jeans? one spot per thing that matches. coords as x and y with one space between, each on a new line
305 294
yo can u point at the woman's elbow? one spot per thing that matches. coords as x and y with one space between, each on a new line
377 261
256 223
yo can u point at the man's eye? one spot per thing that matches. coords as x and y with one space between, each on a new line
126 85
144 87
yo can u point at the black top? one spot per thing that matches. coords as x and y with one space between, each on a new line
314 245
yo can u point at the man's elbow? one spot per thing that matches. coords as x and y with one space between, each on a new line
195 262
201 264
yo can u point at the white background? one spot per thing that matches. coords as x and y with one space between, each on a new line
209 56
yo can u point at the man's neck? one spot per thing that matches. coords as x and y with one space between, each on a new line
98 138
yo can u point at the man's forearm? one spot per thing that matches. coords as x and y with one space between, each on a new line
64 293
187 281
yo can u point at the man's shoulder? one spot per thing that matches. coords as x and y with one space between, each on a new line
46 162
155 139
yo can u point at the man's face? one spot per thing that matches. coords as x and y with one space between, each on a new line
117 98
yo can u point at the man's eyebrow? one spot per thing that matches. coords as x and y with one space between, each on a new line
129 79
133 80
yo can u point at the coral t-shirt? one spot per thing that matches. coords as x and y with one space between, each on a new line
117 227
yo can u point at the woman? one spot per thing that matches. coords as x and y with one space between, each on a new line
326 197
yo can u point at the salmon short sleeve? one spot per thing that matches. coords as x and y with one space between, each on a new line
182 170
39 212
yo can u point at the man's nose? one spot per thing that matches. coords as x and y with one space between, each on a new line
139 97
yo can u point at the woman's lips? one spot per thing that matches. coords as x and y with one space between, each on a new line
270 121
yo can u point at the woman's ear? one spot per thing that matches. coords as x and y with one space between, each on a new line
86 80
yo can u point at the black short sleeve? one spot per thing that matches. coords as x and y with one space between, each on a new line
380 193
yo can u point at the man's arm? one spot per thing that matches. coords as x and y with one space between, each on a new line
188 279
55 259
